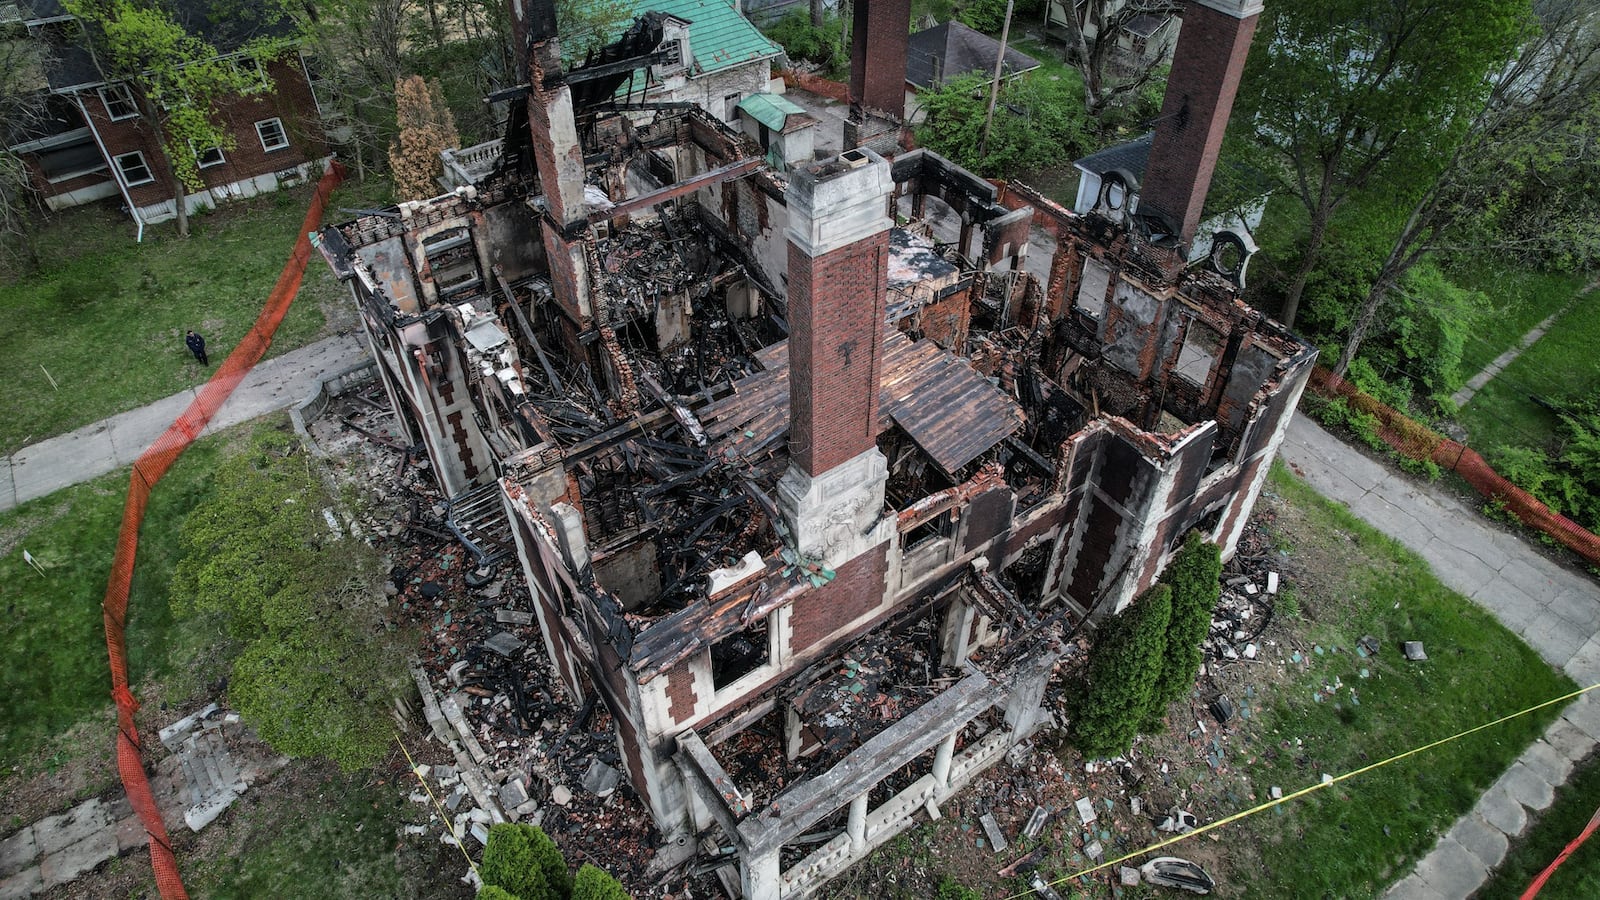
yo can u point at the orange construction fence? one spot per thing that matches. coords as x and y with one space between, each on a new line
149 469
1417 441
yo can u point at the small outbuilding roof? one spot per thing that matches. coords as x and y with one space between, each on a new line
1132 156
773 111
949 50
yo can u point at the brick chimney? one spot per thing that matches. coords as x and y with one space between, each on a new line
880 33
1206 66
557 157
838 234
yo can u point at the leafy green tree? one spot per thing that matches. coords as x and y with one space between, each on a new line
22 103
597 884
1343 96
1192 575
1535 116
318 668
1037 123
1124 664
178 80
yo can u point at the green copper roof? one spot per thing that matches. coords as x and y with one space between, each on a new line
719 36
771 110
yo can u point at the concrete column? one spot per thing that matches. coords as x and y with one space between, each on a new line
760 875
858 824
942 758
953 635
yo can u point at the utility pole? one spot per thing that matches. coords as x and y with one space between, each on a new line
994 88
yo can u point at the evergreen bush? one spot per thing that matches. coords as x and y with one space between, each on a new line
596 884
1193 575
1124 664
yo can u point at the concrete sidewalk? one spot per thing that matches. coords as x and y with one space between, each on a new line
1554 609
110 444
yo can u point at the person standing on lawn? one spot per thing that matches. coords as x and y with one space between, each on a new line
197 346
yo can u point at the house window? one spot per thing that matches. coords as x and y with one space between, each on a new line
119 102
70 161
739 654
133 169
210 156
250 68
1092 288
1202 345
272 134
672 55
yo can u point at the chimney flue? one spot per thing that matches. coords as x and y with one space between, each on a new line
1206 67
838 271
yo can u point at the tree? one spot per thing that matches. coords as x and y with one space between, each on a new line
354 47
1192 575
22 104
1337 92
597 884
1124 664
426 127
177 79
1535 117
1110 74
1037 123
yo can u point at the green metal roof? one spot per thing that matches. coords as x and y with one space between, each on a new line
771 110
719 36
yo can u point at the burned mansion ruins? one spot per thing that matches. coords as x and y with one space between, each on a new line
762 443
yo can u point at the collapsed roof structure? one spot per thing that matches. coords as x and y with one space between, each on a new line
761 447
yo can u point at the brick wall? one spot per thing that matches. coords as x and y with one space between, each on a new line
857 588
836 310
290 101
1205 76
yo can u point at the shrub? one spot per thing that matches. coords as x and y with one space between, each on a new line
1425 468
1123 667
1037 122
510 863
547 856
803 41
318 668
493 892
596 884
1193 576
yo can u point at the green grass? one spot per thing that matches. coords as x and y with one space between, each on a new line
1521 299
53 666
330 836
1561 365
1352 839
106 316
1579 877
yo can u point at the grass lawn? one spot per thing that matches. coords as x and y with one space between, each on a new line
106 316
1560 365
1579 877
53 666
1353 839
1521 299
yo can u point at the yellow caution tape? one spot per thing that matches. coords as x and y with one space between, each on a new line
445 816
1325 783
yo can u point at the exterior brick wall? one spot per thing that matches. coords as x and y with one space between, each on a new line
836 310
680 691
290 100
1205 77
857 588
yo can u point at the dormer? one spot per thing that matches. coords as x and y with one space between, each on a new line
679 56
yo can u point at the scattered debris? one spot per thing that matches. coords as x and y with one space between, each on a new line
1178 822
1175 872
1413 651
997 838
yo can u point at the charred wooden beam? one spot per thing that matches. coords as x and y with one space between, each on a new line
736 169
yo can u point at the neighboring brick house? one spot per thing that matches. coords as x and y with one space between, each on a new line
95 143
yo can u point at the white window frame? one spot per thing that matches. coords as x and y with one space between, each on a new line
122 170
122 94
283 135
243 65
201 153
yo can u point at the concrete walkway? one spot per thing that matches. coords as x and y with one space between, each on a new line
1498 365
1557 611
110 444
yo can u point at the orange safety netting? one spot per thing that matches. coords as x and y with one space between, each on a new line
149 469
1417 441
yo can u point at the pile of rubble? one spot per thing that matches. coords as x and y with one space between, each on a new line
504 741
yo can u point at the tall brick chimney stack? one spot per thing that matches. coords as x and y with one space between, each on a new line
557 156
832 495
1206 66
880 34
